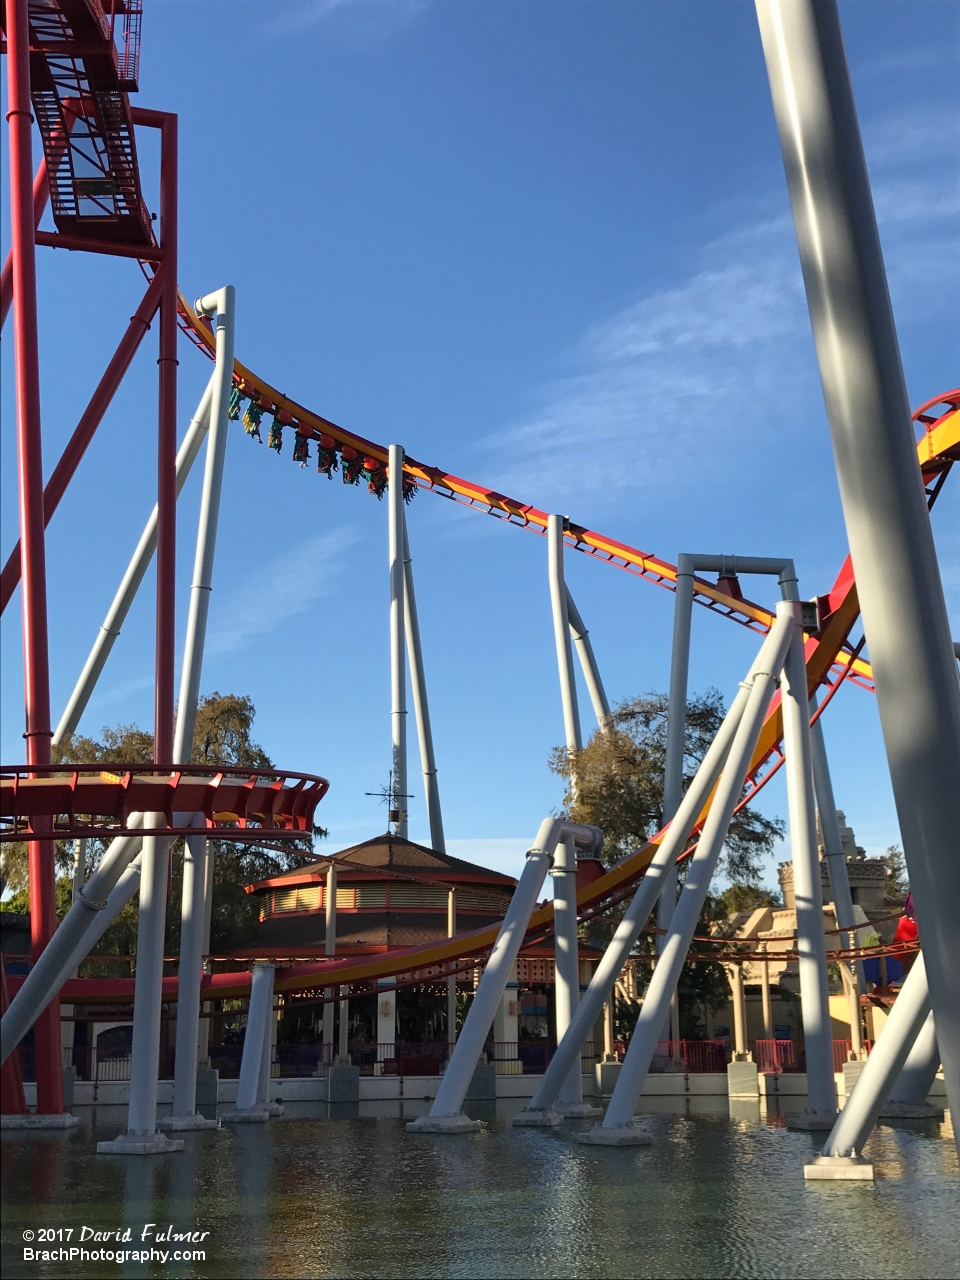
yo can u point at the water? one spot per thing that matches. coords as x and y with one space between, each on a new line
312 1196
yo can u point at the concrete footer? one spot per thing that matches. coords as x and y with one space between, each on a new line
63 1120
184 1124
246 1115
910 1111
139 1144
444 1124
537 1118
812 1120
626 1135
838 1169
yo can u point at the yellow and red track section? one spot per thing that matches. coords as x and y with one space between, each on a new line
830 657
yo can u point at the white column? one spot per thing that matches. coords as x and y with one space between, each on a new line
142 1136
567 967
888 525
446 1114
185 1116
329 949
452 980
765 670
398 675
811 943
421 707
880 1070
561 635
343 1054
256 1036
735 976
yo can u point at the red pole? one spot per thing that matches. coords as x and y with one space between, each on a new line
100 401
43 890
167 447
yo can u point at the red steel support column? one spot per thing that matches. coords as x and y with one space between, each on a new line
167 447
76 447
43 909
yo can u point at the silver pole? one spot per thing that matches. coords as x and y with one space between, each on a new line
197 850
69 944
142 1136
561 635
888 526
452 980
884 1064
222 305
811 943
258 1031
398 676
446 1114
136 570
418 687
634 918
329 949
567 966
646 1033
588 664
266 1061
836 861
909 1092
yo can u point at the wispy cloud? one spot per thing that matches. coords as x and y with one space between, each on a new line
360 22
279 590
687 368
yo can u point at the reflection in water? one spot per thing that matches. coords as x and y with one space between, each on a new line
720 1193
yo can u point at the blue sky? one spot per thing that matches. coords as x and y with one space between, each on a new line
546 246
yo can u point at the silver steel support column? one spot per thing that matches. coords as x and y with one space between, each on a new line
617 1124
833 853
398 675
421 708
221 304
70 943
184 1115
343 1049
452 980
446 1114
880 1070
329 949
909 1093
195 878
687 565
888 525
811 943
634 918
136 570
561 635
257 1034
588 663
567 969
142 1136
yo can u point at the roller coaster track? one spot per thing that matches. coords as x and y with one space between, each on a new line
831 659
81 82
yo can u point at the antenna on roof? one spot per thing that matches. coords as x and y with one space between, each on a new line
389 796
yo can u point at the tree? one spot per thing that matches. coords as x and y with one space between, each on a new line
223 736
898 879
619 776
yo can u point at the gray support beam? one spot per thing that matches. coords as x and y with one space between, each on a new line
888 525
841 1152
808 898
421 707
398 675
588 663
617 1127
445 1115
561 635
908 1097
